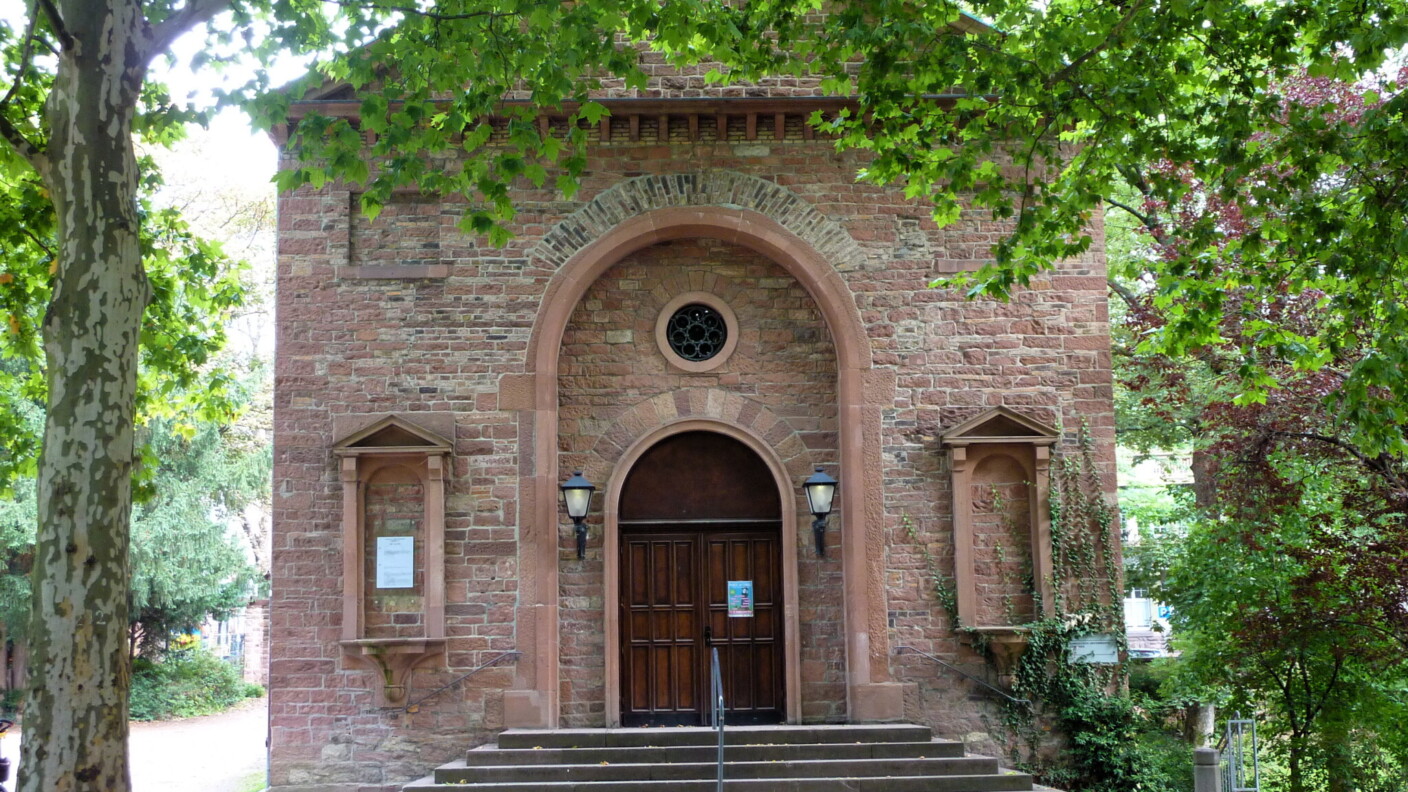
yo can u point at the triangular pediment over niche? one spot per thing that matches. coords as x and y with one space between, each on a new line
392 433
1001 425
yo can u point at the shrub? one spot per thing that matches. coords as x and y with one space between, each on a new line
10 702
186 683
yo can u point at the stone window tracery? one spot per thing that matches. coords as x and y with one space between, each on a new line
696 332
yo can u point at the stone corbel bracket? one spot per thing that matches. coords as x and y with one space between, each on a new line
394 659
1005 646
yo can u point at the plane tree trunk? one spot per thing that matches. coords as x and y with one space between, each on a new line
79 670
80 674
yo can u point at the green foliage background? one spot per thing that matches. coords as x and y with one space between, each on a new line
187 564
186 683
1274 621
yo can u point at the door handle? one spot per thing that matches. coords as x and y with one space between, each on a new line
708 635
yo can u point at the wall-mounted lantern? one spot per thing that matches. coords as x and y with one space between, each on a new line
820 489
577 495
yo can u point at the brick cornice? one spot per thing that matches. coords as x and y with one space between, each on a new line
627 106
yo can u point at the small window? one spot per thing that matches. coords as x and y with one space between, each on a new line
696 332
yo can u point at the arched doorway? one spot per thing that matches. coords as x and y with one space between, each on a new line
699 510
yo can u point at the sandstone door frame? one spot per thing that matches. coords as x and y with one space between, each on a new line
862 392
791 647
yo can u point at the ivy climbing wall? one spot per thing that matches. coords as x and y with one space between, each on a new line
1002 547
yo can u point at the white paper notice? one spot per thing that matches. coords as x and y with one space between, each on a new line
395 562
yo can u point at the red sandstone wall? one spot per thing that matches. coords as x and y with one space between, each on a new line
350 347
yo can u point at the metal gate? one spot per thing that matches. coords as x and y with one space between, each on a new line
1240 772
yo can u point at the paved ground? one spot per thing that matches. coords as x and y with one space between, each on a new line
216 753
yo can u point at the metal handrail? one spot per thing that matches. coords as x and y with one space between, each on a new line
999 691
414 705
716 692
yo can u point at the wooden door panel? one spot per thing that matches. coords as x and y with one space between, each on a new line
636 588
686 679
722 479
637 679
740 691
749 648
674 583
662 635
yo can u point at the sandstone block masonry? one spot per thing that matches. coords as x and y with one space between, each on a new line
405 315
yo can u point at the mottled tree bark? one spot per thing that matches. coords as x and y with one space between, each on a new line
80 673
79 679
1200 725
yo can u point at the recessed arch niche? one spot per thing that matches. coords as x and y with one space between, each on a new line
393 488
1000 463
862 394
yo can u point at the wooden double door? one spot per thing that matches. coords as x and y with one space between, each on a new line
674 610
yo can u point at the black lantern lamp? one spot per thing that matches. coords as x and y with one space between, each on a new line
577 494
820 489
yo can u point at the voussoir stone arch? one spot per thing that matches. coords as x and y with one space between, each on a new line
710 404
720 188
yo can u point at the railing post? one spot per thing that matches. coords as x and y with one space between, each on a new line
716 690
1205 773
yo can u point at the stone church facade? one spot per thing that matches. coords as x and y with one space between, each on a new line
720 311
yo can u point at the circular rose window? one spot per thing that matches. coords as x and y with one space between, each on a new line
696 331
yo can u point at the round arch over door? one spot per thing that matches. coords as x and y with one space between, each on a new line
697 516
693 505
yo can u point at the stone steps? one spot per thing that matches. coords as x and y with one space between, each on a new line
699 735
862 758
983 783
706 753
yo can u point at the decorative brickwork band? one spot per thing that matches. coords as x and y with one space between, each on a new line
643 194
